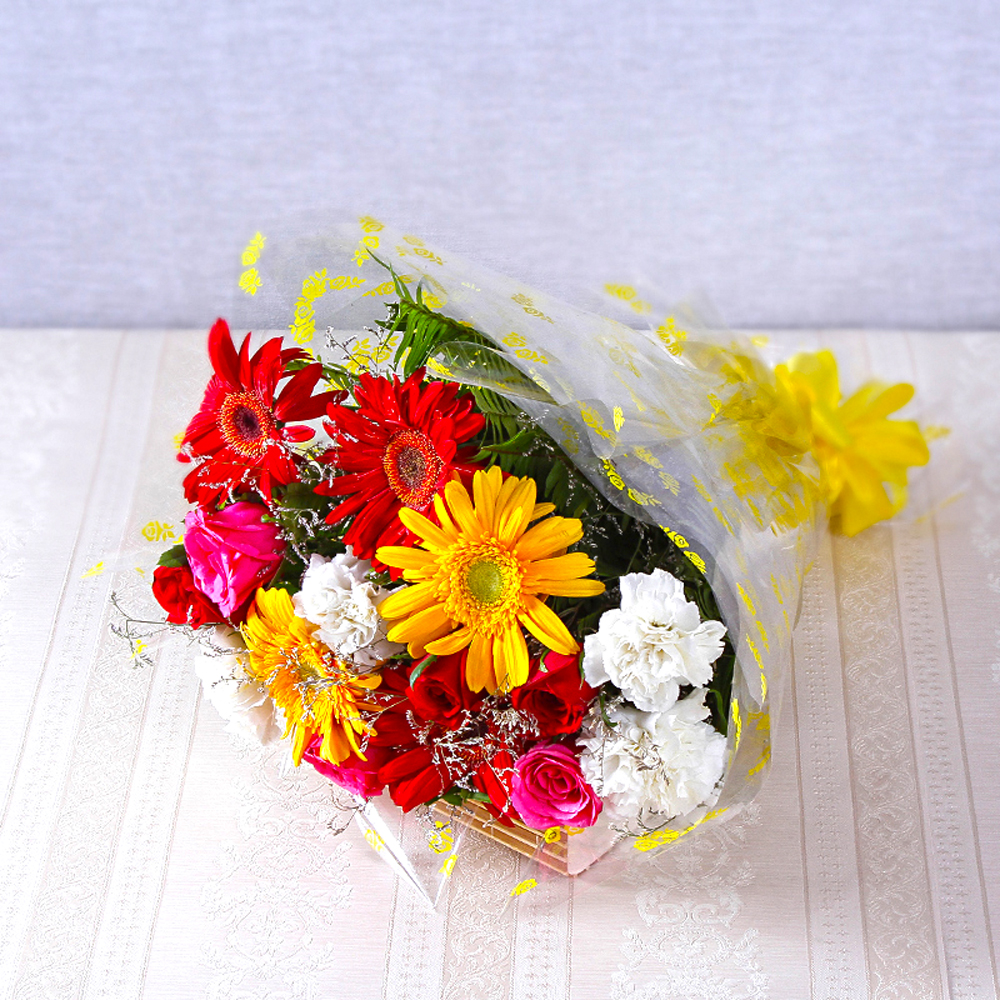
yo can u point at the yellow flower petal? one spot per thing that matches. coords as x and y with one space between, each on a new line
541 509
503 497
511 525
444 518
427 531
479 664
548 537
449 644
461 509
424 626
547 627
403 557
484 497
566 567
516 658
570 588
899 443
409 600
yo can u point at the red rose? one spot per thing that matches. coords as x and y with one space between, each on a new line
185 604
555 694
415 777
440 693
408 766
494 778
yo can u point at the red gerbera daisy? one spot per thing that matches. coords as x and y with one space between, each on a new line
239 439
396 449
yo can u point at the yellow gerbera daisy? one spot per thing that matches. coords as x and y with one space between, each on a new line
314 690
479 577
863 456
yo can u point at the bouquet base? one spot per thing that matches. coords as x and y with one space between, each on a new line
568 851
550 848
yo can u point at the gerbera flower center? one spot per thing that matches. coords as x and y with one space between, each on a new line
246 423
488 591
484 581
413 467
314 691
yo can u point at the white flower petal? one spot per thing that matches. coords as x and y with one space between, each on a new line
337 596
654 766
235 696
654 643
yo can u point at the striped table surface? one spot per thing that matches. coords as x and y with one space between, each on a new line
146 852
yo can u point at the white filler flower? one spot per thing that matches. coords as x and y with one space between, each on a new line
337 596
236 697
653 643
653 766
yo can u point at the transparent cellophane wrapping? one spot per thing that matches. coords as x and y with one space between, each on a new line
680 425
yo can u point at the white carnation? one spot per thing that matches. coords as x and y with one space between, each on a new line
653 643
653 766
337 596
239 699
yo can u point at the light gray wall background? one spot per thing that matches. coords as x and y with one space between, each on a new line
801 162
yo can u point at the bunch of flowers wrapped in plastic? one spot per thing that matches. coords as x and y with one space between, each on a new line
444 571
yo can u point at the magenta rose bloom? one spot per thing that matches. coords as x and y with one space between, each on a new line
354 774
232 552
548 789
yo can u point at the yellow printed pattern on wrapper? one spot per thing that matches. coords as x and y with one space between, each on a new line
303 326
369 241
628 294
250 280
157 531
657 838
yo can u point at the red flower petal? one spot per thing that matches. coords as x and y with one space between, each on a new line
400 438
235 439
223 354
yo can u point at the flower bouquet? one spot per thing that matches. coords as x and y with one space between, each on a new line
501 563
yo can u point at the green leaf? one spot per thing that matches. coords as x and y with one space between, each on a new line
301 496
422 666
174 556
557 477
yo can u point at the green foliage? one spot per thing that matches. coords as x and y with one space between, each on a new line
174 556
458 796
422 666
421 329
300 514
336 375
423 332
339 377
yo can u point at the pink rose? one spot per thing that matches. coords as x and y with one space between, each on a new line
232 552
354 774
548 789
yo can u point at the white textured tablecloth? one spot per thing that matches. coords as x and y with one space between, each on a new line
146 853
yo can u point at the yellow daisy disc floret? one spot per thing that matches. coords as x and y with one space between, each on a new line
482 574
314 690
